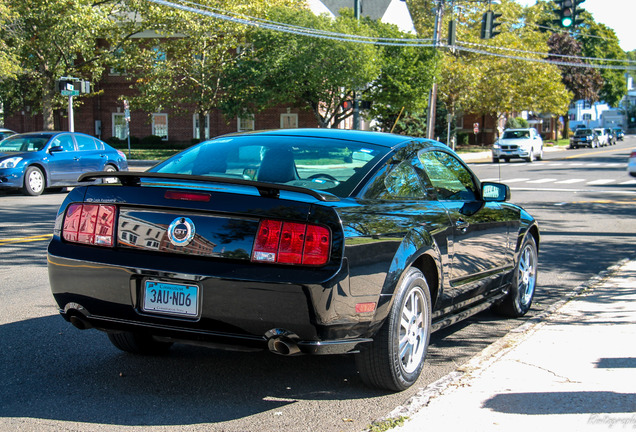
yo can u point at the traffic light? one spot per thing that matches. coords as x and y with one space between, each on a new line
65 85
489 24
452 32
567 11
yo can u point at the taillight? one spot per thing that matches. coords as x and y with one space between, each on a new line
92 224
633 155
291 243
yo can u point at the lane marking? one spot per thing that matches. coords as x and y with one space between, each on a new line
29 239
601 181
570 181
545 180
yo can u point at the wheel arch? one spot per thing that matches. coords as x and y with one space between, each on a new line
418 249
41 167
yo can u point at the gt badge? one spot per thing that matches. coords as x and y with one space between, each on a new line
181 231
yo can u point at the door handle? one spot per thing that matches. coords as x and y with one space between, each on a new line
461 225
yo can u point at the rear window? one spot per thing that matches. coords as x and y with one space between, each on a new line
336 166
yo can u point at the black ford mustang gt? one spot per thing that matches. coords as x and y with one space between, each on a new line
309 241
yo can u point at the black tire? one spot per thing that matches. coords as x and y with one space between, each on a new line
138 343
395 358
519 299
34 181
530 158
495 160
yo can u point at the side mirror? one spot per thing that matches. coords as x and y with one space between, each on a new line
56 149
495 192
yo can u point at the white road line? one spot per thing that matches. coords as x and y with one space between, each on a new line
545 180
515 180
570 181
601 181
628 182
490 179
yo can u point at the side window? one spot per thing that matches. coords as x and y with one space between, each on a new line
451 180
397 182
85 142
66 141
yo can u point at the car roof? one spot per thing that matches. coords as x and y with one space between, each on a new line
378 138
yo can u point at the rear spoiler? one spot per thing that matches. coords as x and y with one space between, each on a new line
268 190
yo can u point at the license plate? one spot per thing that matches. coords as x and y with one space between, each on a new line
171 298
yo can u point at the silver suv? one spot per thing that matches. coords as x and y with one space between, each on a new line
518 143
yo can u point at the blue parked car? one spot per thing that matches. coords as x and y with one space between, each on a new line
39 160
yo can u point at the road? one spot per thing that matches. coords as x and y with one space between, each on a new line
55 377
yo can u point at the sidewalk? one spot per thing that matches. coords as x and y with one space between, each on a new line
572 370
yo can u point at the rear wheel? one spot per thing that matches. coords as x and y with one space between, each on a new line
395 358
33 181
138 343
495 160
519 298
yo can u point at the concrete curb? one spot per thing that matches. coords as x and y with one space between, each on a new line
491 354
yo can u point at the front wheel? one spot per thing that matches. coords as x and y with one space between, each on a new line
33 181
519 299
395 358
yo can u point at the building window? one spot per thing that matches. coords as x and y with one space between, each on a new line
160 126
587 104
546 125
119 126
289 121
195 126
587 116
245 123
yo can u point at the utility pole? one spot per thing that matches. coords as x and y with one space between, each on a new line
356 99
432 96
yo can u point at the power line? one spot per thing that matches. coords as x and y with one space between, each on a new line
225 15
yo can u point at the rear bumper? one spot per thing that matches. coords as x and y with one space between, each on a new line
237 308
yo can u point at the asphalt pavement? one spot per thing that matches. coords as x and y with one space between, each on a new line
571 368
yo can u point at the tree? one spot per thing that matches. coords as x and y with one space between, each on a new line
187 62
499 84
599 41
308 72
50 39
405 78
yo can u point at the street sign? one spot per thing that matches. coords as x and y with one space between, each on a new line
70 92
475 127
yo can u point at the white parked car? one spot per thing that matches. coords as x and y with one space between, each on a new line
518 143
631 164
603 138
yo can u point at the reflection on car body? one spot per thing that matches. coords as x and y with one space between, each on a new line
309 241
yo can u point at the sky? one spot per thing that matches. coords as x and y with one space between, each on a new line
619 15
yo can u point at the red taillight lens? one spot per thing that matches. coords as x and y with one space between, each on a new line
291 243
92 224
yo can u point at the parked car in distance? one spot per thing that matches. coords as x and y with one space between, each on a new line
601 134
611 137
5 133
631 164
584 138
518 143
35 161
620 134
314 241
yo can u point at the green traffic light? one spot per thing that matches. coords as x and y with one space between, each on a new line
566 22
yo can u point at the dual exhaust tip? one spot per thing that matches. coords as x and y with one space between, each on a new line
279 341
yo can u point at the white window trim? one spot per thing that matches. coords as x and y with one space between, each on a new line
195 129
243 123
114 116
155 115
291 116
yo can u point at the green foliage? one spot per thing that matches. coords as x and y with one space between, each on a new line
47 40
388 424
516 123
600 41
